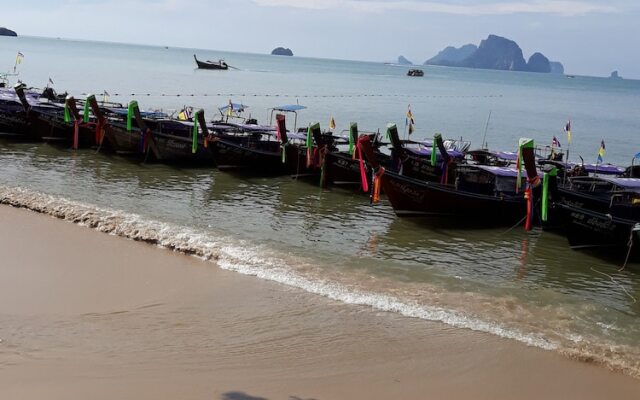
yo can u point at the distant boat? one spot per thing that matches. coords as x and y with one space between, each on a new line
415 72
211 64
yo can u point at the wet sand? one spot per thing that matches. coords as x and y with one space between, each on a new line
88 315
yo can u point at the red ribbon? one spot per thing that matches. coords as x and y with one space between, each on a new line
363 172
99 132
528 195
76 133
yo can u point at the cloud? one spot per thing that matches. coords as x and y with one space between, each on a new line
560 7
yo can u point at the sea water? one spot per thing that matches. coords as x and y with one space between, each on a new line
528 287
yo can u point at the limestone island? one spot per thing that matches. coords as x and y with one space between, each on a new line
614 75
495 52
7 32
281 51
403 61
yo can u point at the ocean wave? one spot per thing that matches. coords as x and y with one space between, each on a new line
250 259
118 223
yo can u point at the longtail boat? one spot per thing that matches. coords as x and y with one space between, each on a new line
19 109
348 167
156 137
211 64
490 194
247 147
13 118
423 162
176 141
600 211
56 123
306 156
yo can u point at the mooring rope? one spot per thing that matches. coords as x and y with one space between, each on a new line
617 283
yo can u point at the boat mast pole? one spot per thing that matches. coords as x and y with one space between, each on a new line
486 127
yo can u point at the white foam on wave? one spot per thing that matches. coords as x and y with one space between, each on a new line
114 222
246 262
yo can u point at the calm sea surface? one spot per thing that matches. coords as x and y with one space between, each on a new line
525 286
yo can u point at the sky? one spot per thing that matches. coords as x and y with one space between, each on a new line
590 37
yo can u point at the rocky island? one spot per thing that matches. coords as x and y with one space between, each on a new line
281 51
495 52
615 75
556 67
403 61
7 32
452 55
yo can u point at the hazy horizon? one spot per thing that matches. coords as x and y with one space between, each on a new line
588 37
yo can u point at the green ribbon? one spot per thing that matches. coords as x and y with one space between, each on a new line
194 141
522 144
353 131
310 134
85 113
545 192
67 112
390 128
434 154
132 106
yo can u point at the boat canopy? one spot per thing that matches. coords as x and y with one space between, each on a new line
426 152
503 171
607 169
507 155
498 171
502 155
292 108
289 108
145 114
626 183
10 95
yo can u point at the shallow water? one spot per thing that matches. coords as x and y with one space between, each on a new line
526 286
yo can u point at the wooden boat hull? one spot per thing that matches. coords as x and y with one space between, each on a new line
124 142
343 170
592 221
179 150
585 228
51 128
165 148
210 65
297 161
43 126
14 124
412 197
420 168
264 158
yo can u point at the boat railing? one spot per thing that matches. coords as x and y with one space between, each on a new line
549 153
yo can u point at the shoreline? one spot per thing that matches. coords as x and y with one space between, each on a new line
92 315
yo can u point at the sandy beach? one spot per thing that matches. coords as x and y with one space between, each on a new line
89 315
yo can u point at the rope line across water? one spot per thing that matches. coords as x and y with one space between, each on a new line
296 95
